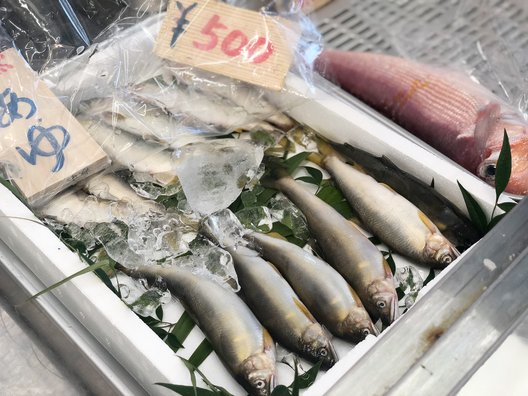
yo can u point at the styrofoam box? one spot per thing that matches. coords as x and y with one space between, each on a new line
127 338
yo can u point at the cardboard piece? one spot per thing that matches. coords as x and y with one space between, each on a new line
43 148
227 40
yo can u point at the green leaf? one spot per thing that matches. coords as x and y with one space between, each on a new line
430 277
185 390
308 378
281 229
172 341
476 214
503 169
507 206
392 264
495 220
296 241
308 179
432 183
294 162
330 195
344 209
264 197
375 240
7 184
281 390
400 293
315 173
159 313
183 327
201 353
101 264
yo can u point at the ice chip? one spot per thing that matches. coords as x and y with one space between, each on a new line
223 228
141 298
289 215
410 282
257 218
213 174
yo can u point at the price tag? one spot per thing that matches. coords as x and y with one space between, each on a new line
43 148
220 38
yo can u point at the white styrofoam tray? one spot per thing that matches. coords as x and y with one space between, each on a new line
126 337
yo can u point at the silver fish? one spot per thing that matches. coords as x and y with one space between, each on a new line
396 221
130 152
248 97
346 249
182 101
324 291
279 309
238 338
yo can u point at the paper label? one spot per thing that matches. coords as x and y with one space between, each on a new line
43 148
232 41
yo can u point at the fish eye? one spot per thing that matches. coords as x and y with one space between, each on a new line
323 352
489 170
259 384
381 304
365 332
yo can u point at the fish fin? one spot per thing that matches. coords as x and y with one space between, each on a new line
428 223
386 267
166 178
355 296
303 309
487 118
268 341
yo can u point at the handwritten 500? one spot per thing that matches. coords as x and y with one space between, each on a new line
235 43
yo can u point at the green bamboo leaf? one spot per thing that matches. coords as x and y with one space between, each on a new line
201 353
375 240
390 261
281 229
308 378
430 277
185 390
264 197
503 169
101 264
294 162
400 293
315 173
183 327
172 341
432 183
495 220
295 384
476 213
330 195
159 313
281 390
507 206
307 179
296 241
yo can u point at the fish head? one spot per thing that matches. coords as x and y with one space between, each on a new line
358 325
439 251
258 374
518 183
316 342
384 300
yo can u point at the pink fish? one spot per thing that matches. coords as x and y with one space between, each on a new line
447 110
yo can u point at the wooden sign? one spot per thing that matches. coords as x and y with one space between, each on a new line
232 41
43 149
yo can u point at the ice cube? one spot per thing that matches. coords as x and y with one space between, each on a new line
256 218
211 262
223 228
213 174
289 215
139 296
410 282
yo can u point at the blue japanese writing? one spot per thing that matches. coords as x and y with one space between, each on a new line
57 149
10 108
182 22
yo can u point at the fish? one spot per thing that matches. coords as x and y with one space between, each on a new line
131 152
248 97
79 208
110 187
447 110
392 218
241 342
451 222
279 309
324 291
146 121
212 110
345 248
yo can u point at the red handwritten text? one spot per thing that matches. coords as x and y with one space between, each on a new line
236 43
4 67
